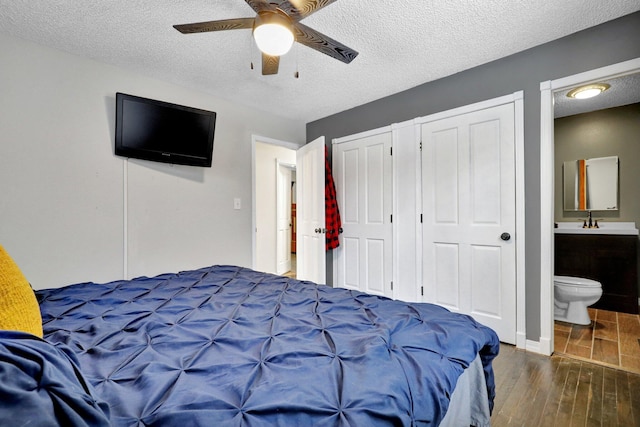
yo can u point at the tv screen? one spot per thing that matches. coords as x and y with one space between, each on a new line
163 132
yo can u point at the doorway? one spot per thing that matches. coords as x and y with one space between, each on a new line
274 165
547 178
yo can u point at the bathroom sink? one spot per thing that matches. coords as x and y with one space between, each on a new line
628 228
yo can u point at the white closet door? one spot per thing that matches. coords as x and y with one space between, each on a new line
468 185
362 173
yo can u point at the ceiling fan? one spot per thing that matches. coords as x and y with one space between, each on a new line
275 27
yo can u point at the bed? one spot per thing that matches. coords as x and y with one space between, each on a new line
229 346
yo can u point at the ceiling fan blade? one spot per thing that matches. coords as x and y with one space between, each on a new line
270 64
260 5
224 24
300 9
318 41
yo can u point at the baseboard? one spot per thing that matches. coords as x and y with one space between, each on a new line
533 346
521 340
541 347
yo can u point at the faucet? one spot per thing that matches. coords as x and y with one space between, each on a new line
590 225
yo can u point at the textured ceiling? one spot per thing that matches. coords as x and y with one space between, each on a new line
402 43
623 91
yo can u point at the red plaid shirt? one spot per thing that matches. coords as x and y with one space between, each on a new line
333 224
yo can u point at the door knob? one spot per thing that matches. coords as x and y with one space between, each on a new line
505 236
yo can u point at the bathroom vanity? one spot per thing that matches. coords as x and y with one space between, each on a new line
608 254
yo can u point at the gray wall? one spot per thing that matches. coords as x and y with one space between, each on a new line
596 47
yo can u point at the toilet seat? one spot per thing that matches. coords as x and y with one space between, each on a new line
576 281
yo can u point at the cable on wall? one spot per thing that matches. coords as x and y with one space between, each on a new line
125 222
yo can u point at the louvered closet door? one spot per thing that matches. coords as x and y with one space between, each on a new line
468 188
362 174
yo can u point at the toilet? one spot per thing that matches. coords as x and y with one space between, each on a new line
572 296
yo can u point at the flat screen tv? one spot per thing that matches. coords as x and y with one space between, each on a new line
163 132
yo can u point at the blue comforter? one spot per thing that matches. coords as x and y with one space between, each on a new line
41 385
226 345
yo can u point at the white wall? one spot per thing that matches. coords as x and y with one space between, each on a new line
62 204
267 156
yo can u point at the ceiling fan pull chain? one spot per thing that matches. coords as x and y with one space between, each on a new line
297 73
251 51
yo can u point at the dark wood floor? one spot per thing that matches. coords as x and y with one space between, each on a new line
535 390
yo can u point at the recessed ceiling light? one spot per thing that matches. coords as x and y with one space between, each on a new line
588 91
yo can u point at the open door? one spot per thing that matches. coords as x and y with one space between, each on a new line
310 233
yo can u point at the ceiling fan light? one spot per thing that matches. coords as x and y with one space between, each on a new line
588 91
273 33
273 39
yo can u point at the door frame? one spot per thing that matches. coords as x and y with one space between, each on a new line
255 139
547 179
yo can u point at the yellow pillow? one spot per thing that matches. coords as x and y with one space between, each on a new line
19 309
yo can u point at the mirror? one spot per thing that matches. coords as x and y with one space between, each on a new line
591 184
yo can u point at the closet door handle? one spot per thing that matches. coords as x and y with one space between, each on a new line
505 236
